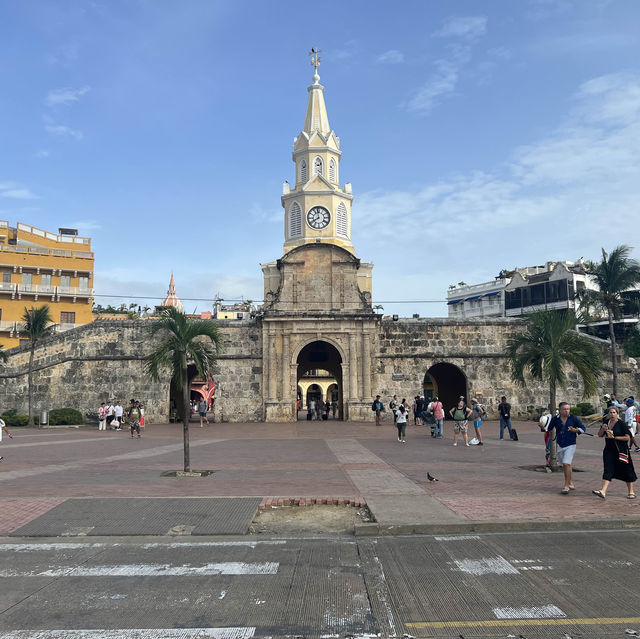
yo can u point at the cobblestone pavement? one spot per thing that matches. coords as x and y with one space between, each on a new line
303 461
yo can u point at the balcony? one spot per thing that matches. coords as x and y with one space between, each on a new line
55 292
73 291
7 327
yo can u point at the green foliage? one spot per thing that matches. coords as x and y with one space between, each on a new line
64 416
11 418
632 343
37 322
549 346
584 408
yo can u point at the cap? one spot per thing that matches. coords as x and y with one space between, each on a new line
607 396
461 397
421 396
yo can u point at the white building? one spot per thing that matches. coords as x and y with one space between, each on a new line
551 286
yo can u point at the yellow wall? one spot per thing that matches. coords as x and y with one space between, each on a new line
42 253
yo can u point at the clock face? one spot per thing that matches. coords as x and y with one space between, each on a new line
318 217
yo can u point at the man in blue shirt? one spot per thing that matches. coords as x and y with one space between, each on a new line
568 427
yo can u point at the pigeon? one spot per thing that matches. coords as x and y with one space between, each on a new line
430 477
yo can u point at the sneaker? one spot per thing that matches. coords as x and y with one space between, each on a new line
399 439
1 459
480 444
466 444
455 443
637 450
404 441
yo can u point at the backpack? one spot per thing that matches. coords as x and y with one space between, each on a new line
392 405
464 412
374 406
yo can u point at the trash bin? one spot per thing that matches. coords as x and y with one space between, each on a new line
44 418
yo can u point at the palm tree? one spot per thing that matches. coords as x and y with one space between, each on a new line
546 348
183 341
615 274
37 324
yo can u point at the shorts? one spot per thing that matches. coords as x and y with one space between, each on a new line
565 455
460 427
202 414
477 423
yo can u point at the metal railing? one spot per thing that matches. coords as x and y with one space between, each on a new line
39 289
34 250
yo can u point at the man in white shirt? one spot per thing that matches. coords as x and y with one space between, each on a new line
117 411
630 420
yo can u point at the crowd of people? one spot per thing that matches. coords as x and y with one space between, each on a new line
112 416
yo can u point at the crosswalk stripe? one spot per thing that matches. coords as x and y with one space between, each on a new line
501 623
134 633
151 570
159 544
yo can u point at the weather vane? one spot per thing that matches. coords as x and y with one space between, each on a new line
315 57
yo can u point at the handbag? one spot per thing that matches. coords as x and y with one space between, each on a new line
430 418
622 456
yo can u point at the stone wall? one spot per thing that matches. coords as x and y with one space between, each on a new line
408 348
90 364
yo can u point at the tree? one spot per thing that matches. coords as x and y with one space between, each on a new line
183 341
615 274
38 324
3 355
546 348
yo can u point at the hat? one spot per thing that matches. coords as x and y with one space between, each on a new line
607 396
629 402
461 397
421 396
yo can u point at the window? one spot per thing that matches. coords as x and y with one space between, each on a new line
67 318
317 166
27 281
295 220
6 276
45 283
303 171
332 171
342 221
65 283
83 284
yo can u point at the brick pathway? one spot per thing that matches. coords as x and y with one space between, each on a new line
304 461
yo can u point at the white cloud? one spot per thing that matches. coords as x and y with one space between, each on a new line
391 57
469 27
442 82
65 96
42 153
63 130
85 227
500 52
560 197
16 192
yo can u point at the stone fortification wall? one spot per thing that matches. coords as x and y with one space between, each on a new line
90 364
408 348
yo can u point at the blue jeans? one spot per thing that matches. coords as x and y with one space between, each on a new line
505 422
437 431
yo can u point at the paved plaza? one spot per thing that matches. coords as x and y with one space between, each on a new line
481 488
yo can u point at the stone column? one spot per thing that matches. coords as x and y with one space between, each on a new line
271 365
286 370
366 366
353 370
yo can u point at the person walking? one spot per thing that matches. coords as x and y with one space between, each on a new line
438 414
102 417
504 408
477 410
393 406
460 413
420 407
4 429
203 406
616 459
118 411
110 414
377 408
567 428
401 423
630 419
133 417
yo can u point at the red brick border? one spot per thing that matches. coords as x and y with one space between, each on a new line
277 502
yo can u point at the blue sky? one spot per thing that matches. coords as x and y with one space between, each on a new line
477 135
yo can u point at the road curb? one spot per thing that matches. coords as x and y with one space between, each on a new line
381 529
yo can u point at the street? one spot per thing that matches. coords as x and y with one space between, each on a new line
556 584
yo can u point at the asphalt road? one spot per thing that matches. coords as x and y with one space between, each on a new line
559 584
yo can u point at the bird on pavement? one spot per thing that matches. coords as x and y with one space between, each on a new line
430 477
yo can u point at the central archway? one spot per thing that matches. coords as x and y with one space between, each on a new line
447 382
320 366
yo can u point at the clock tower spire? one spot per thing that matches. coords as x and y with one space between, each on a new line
317 209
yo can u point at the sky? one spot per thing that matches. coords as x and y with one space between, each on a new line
477 135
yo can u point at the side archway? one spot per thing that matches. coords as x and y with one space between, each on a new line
320 363
446 381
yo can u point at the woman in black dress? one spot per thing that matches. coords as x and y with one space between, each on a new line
617 436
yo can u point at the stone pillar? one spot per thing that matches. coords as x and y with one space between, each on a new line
271 366
366 366
286 370
353 370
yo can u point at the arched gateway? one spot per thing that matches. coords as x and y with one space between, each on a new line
447 382
313 361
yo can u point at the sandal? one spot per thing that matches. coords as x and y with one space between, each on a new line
599 493
572 487
631 496
564 491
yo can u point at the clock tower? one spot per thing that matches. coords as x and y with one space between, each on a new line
317 209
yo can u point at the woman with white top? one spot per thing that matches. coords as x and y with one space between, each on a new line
401 423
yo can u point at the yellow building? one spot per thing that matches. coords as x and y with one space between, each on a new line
39 267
